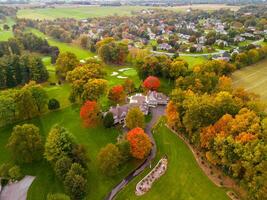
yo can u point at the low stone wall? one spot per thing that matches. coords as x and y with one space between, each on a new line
146 183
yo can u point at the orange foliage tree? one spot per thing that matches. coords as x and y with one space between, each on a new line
151 83
116 94
90 113
139 142
173 118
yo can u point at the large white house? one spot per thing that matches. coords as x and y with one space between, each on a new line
144 102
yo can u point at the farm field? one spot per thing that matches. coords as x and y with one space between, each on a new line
93 139
206 7
183 179
253 78
77 12
5 35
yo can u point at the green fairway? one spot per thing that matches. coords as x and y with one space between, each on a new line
184 180
93 138
5 35
77 12
253 78
192 61
63 47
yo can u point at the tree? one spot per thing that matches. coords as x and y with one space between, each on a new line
128 86
140 143
173 118
79 155
25 143
108 120
57 196
90 114
27 107
178 68
59 143
117 94
84 41
66 62
62 167
53 104
82 74
109 159
75 185
94 89
151 83
15 173
135 118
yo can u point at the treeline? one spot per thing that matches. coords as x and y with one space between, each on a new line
7 11
22 104
249 56
228 125
18 65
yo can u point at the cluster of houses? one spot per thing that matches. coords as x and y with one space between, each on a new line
143 102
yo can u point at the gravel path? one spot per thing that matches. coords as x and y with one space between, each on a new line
156 114
17 191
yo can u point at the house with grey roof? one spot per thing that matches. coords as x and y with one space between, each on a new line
143 102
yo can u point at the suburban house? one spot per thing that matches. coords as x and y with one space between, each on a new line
164 46
144 102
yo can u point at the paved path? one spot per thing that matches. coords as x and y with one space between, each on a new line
156 114
17 191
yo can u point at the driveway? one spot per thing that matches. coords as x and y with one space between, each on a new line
156 114
18 190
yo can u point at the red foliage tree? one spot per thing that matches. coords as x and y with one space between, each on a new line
116 94
89 113
139 142
151 83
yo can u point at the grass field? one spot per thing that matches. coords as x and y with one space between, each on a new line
207 7
93 138
253 78
77 12
63 47
192 61
5 35
184 180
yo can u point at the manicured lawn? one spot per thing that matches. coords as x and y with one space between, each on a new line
63 47
93 139
5 35
184 180
77 12
192 61
253 78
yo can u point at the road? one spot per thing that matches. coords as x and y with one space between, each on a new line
156 114
18 190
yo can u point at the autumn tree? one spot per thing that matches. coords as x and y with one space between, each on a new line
59 143
173 118
66 62
129 86
25 143
94 89
117 95
151 83
135 118
90 113
139 142
177 68
109 159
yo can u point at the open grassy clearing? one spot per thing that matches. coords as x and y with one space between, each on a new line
5 35
63 47
253 78
192 61
184 180
93 138
77 12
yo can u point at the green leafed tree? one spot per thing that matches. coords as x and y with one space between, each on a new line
25 143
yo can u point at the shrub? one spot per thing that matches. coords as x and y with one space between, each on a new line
15 173
108 120
53 104
75 185
62 167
